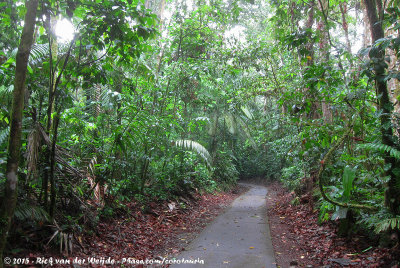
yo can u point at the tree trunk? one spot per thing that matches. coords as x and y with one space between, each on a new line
343 10
366 34
53 45
118 137
53 191
53 67
324 52
313 114
14 143
392 194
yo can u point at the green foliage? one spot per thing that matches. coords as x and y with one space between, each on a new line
197 147
153 109
388 224
381 148
4 136
348 177
381 222
225 172
292 177
27 212
325 211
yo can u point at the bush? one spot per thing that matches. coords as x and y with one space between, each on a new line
225 172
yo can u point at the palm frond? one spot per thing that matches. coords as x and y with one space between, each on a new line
196 147
382 148
246 131
388 224
26 211
230 123
4 135
64 239
38 53
202 118
61 155
6 91
246 112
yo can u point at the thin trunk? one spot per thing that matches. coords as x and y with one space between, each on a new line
343 10
118 138
161 13
309 25
52 88
310 61
366 34
53 191
392 194
53 68
14 144
145 166
324 47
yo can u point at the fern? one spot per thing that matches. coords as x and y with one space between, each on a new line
197 147
387 224
25 212
382 148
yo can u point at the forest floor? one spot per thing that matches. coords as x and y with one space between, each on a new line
300 242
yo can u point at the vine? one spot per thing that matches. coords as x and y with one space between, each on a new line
324 160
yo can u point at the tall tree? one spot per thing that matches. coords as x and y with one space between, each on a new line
323 26
377 56
14 145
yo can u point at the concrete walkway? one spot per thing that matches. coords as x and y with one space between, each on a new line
239 238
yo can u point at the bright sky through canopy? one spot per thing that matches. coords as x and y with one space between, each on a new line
64 30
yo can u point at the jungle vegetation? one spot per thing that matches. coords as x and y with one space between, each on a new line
154 99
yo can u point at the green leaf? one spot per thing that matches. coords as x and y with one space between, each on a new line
246 111
348 177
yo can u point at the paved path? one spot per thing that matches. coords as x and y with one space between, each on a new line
239 238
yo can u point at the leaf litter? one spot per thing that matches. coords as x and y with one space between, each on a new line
300 242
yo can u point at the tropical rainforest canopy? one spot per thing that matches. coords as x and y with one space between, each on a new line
154 100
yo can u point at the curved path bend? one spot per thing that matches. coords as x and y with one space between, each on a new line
239 238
